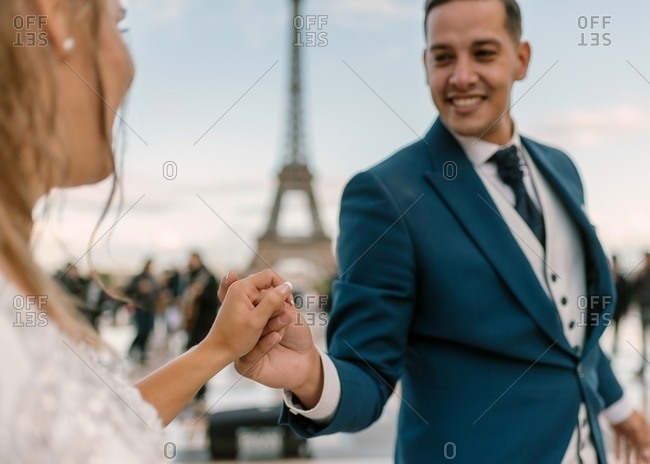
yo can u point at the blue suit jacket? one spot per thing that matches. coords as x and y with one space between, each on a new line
435 291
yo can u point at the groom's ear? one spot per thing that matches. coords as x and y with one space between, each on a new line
524 53
426 69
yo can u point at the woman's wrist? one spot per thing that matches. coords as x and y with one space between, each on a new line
210 357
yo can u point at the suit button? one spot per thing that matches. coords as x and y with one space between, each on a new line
572 324
564 301
579 371
554 277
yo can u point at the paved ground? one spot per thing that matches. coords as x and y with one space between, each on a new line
187 438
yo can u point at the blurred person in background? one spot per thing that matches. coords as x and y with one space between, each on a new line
97 300
59 400
74 283
88 293
201 304
144 291
170 296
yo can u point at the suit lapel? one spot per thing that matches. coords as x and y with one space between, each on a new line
599 282
461 189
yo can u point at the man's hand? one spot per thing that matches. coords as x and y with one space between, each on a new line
293 364
248 304
633 439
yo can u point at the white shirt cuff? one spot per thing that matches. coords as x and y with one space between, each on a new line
324 411
619 411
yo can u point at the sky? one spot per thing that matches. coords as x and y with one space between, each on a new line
208 107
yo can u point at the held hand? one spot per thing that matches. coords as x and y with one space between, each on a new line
232 277
248 304
293 364
633 438
225 284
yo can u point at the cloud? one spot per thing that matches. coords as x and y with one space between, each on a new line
596 127
389 8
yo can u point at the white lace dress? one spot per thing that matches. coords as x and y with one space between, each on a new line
59 404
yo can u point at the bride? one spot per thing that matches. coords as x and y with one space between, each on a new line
64 69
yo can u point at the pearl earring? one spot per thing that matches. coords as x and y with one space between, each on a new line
68 44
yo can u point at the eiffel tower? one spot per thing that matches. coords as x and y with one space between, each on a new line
295 175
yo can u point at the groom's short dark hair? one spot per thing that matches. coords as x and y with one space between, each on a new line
513 16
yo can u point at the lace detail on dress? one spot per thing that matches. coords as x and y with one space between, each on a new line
67 407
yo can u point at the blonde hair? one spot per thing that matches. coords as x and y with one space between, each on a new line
28 148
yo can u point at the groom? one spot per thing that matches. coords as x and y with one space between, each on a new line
465 262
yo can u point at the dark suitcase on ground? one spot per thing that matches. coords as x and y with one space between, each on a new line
232 432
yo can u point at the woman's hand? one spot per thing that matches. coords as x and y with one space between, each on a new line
293 364
248 304
253 308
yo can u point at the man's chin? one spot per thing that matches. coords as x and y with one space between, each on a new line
464 129
469 132
490 132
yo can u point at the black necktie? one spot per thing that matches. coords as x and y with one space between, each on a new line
511 174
